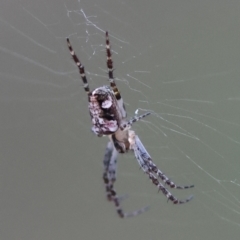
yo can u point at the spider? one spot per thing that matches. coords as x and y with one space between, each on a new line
109 118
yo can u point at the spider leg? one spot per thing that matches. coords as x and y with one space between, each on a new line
133 120
147 165
109 177
145 155
110 166
110 69
80 67
111 78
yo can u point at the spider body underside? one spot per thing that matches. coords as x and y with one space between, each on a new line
109 117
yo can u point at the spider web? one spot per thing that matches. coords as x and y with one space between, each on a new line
179 61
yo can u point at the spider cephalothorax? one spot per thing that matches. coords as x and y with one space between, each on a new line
108 115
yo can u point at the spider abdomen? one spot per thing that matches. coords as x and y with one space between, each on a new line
103 109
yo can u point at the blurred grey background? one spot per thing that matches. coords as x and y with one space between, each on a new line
178 59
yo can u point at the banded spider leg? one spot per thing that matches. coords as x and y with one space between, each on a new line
109 177
147 165
80 67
